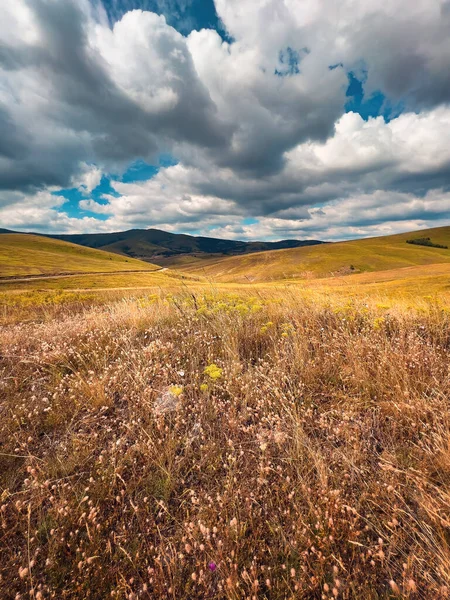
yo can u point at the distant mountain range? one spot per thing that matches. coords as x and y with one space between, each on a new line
164 248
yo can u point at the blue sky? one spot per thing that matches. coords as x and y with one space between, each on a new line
228 117
183 15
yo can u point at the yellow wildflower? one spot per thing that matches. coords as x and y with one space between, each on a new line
378 322
213 371
176 390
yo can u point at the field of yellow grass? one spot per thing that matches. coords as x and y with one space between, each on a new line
338 259
169 435
221 445
408 287
408 284
23 254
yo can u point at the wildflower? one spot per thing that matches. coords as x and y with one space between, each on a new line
204 387
213 371
378 322
287 329
212 566
176 390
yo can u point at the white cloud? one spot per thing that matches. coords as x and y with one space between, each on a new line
360 177
39 212
79 98
88 178
404 46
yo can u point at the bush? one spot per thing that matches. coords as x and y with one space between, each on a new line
426 242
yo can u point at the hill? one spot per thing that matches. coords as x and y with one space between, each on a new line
27 254
164 248
341 258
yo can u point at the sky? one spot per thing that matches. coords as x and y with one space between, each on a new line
240 119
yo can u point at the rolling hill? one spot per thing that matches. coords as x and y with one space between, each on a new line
337 259
27 254
167 249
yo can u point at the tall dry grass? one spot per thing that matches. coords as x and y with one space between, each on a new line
226 448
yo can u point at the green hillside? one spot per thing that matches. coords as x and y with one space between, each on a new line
325 260
25 254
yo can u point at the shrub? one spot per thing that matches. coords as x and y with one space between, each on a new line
426 242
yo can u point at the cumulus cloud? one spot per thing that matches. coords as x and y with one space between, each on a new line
164 202
39 212
358 179
403 46
88 178
257 122
73 90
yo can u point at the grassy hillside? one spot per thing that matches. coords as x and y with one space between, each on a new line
163 247
24 254
325 260
408 286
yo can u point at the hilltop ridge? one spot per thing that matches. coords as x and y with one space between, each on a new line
166 249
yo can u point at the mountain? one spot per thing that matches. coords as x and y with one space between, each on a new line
330 260
23 254
164 248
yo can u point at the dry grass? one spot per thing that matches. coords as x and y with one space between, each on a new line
23 254
226 447
327 260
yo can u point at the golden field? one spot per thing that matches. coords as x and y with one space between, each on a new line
338 259
167 435
26 254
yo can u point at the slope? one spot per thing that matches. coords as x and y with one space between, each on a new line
166 248
342 258
26 254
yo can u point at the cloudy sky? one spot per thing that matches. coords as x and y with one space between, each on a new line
246 119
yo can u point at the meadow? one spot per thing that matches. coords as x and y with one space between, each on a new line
214 444
25 255
185 435
326 260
